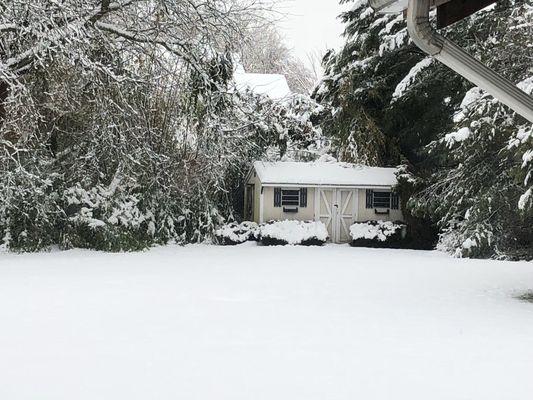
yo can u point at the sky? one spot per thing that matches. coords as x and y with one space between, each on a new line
311 25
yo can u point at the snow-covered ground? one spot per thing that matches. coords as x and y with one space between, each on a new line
276 323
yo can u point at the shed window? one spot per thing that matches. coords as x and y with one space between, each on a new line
382 199
290 197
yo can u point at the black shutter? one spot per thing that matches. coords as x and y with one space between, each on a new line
303 197
369 198
277 197
394 201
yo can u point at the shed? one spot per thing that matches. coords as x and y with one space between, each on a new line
338 194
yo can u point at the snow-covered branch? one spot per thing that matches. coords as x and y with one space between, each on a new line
178 48
8 27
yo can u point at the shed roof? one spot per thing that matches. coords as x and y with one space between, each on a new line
272 85
323 174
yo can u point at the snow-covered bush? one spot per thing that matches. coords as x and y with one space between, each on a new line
377 234
307 233
118 128
234 233
106 218
30 209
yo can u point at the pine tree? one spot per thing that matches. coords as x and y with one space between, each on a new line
390 104
386 100
480 192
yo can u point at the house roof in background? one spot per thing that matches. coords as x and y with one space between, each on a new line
323 174
272 85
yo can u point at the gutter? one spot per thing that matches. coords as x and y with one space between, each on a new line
327 185
451 55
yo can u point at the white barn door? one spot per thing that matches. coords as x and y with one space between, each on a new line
325 209
337 209
346 213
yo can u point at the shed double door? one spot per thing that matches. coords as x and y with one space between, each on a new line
337 209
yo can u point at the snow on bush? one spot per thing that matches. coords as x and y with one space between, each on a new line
525 199
470 102
526 85
106 218
375 233
235 233
458 136
393 42
410 78
100 206
379 230
294 232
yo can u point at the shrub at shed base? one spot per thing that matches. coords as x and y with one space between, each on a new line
378 234
305 233
234 233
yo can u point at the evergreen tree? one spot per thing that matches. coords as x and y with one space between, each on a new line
386 98
389 104
480 192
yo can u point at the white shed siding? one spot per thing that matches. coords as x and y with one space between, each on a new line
368 214
276 213
309 213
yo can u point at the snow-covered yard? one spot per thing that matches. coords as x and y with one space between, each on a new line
276 323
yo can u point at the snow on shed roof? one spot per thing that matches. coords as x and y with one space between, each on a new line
323 173
272 85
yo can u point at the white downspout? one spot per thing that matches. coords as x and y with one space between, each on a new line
463 63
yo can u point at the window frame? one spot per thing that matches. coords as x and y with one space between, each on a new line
295 195
382 201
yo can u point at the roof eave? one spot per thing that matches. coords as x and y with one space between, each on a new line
346 185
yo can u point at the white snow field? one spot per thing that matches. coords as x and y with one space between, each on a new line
277 323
